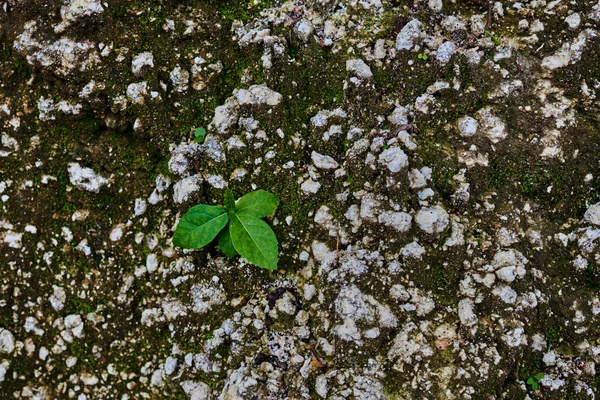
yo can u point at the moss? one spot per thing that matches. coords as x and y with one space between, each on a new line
241 9
78 306
530 366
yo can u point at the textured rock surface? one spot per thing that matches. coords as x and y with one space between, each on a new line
438 168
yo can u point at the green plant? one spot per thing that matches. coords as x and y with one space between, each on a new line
534 381
423 56
199 135
493 37
237 226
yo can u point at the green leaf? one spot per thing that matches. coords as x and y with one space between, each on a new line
535 386
229 201
259 204
199 135
254 240
493 37
199 226
224 240
530 380
539 376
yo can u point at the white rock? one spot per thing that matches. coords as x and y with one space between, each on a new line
323 217
549 358
538 343
553 384
170 365
409 35
321 386
4 369
151 316
304 30
506 274
515 337
413 249
205 297
348 331
425 305
117 233
573 20
393 158
137 91
139 207
466 312
185 187
57 300
91 87
399 116
570 52
424 103
536 26
225 116
409 344
399 293
172 309
451 24
506 293
43 353
286 304
592 215
432 219
71 361
323 162
258 94
151 262
379 50
7 341
310 187
400 221
369 207
13 239
478 22
506 238
467 126
157 378
372 333
435 5
75 9
418 179
75 324
595 13
492 126
145 59
89 379
216 181
508 257
309 291
445 52
580 263
359 68
10 144
84 248
196 390
350 304
85 178
180 78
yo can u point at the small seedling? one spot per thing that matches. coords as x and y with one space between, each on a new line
534 381
423 56
237 226
199 135
493 37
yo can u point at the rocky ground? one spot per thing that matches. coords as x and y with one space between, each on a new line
437 163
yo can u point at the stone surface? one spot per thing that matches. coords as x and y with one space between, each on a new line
437 168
